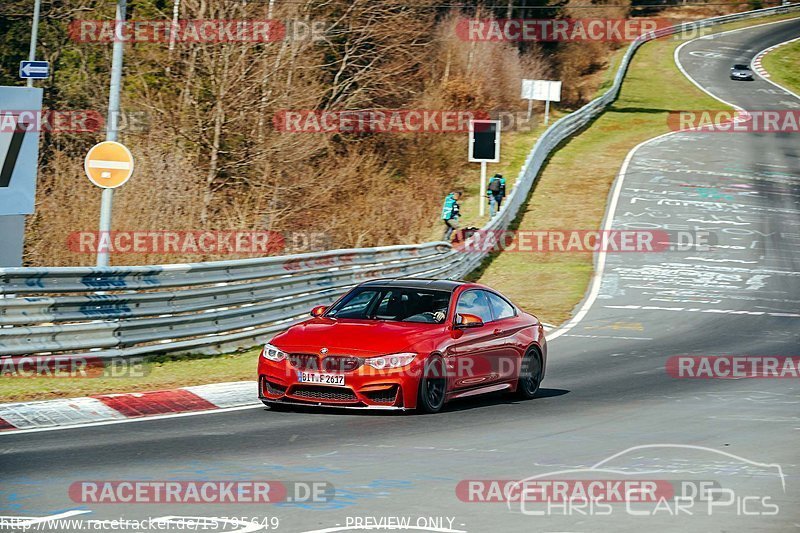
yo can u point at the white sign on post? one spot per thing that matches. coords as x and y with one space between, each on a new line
527 89
547 90
527 94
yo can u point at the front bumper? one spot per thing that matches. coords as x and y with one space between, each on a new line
364 388
269 402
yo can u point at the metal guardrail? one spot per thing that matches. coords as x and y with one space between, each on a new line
218 306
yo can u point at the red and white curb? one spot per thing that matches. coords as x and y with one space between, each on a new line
109 408
113 408
756 63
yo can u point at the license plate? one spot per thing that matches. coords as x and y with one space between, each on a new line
336 380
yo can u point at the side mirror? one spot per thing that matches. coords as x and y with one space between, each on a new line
319 310
469 321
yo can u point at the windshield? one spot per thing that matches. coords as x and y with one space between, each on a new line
741 67
397 304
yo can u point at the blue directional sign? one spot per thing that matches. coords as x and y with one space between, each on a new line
37 70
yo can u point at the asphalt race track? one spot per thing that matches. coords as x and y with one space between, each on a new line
607 394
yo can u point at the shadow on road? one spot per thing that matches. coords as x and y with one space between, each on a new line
484 400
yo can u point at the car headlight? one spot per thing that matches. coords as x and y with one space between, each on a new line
272 353
395 360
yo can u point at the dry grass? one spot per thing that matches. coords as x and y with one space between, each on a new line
571 194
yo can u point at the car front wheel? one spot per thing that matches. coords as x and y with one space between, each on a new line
432 386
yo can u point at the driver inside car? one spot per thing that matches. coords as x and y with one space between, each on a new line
428 310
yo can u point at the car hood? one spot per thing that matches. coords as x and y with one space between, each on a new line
355 337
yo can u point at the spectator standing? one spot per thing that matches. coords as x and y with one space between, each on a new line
450 213
496 191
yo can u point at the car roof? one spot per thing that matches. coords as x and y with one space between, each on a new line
416 283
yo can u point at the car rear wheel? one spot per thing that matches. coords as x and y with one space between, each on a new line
432 386
530 375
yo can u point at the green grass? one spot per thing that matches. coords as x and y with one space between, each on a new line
514 148
783 65
570 194
162 375
572 191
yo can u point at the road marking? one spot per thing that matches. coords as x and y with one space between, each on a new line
710 260
600 263
309 456
697 310
609 337
387 528
597 276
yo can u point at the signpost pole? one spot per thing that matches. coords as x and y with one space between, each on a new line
546 112
34 35
107 200
530 109
483 189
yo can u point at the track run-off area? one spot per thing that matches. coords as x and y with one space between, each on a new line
609 409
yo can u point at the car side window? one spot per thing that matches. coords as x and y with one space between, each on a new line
500 307
474 302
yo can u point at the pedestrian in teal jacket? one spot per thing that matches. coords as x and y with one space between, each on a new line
450 214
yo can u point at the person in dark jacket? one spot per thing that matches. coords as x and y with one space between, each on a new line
450 214
496 191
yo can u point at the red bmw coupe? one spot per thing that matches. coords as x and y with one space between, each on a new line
405 344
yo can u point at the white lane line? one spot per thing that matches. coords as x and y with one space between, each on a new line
393 527
700 310
597 277
617 337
